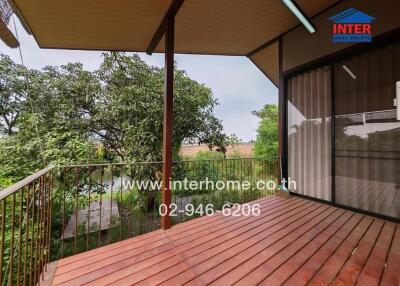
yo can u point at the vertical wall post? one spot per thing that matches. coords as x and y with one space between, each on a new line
168 119
333 135
282 137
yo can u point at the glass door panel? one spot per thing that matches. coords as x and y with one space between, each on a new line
367 132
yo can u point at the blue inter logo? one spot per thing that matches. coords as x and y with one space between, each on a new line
352 26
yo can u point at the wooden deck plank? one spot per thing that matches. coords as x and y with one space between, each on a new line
300 256
304 274
353 267
193 258
149 258
229 240
148 237
269 266
333 265
372 272
208 270
391 274
125 251
292 242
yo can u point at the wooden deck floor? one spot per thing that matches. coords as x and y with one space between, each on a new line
293 242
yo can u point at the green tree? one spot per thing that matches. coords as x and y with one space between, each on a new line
233 140
267 132
128 114
12 94
66 114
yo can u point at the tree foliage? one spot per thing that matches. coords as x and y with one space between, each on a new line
12 94
266 144
233 140
65 114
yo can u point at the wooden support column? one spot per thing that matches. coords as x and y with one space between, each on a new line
168 119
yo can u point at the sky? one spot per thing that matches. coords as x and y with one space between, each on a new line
239 86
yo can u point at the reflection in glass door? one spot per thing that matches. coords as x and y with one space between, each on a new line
367 132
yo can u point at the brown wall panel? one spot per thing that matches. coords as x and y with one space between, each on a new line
267 60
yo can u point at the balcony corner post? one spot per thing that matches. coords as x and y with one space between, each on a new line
168 120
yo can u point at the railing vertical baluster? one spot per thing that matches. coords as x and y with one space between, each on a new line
31 259
41 225
50 217
146 217
100 205
10 266
247 175
40 232
264 170
250 176
182 194
130 202
242 176
89 208
139 230
3 232
111 208
38 236
20 235
64 186
26 235
206 171
155 195
121 213
174 196
76 208
44 228
259 173
46 214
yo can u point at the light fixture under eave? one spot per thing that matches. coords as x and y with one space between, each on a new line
300 15
346 68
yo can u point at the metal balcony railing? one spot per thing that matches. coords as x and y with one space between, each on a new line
62 211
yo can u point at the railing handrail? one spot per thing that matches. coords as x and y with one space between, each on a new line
159 162
20 184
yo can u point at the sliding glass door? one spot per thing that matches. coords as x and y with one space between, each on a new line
360 148
367 144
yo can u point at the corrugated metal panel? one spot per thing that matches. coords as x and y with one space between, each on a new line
309 133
